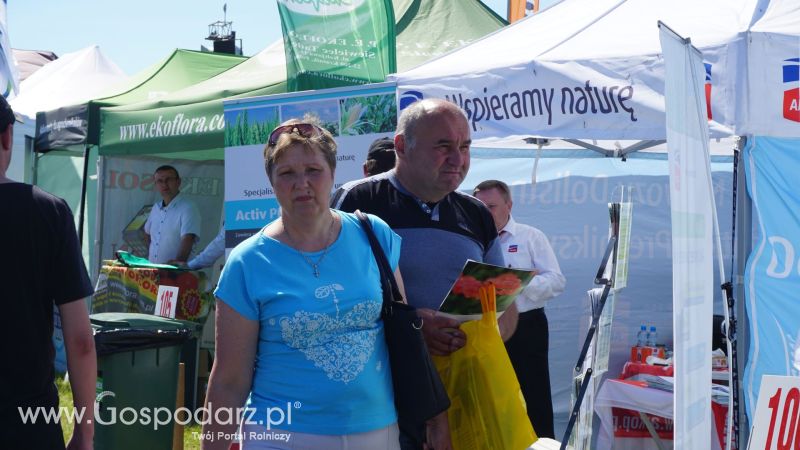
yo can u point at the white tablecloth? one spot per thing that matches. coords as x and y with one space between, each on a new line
619 394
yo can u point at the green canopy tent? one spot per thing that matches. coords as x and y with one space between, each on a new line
189 122
185 123
78 125
68 134
427 29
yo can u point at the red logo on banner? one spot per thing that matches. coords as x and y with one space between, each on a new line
708 89
791 104
791 97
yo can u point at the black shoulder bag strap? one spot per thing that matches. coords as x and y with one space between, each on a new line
388 282
419 393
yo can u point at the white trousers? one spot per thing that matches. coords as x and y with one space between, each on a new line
257 437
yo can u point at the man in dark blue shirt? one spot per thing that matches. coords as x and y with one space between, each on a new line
441 227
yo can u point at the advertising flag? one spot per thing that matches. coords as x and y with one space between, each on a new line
333 44
519 9
772 275
691 205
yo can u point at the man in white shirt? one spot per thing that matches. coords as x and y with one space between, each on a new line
206 258
174 223
525 247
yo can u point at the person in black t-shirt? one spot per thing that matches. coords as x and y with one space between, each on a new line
40 266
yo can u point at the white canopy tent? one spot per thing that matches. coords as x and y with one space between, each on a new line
771 101
73 78
588 69
592 70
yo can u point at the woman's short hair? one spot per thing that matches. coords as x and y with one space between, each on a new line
321 139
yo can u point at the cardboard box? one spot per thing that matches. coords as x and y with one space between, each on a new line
134 235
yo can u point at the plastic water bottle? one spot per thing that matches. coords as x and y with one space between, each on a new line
652 337
642 336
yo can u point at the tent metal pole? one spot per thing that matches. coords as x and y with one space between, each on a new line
622 153
744 244
641 145
98 218
28 160
35 169
588 146
84 181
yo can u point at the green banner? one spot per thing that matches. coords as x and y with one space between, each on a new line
332 43
196 130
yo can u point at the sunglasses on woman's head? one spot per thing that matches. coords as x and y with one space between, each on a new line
305 130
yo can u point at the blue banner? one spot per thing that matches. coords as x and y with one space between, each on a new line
250 214
355 116
772 275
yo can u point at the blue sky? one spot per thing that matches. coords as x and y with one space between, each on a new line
137 34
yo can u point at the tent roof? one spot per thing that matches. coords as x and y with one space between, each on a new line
593 29
264 69
428 29
180 69
425 29
574 53
779 17
29 61
74 78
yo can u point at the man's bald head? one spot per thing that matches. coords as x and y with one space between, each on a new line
415 113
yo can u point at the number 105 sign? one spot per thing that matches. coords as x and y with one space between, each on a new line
777 419
167 300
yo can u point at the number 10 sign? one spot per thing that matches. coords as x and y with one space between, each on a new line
777 420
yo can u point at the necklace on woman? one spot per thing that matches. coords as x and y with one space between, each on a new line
308 260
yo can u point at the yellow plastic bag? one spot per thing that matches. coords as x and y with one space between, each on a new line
487 409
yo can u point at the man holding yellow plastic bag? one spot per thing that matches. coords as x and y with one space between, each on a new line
441 227
487 409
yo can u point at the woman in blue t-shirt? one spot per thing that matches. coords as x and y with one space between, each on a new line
300 342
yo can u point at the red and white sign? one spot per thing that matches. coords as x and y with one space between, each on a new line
791 96
166 301
776 423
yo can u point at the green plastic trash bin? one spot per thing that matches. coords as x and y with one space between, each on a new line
137 376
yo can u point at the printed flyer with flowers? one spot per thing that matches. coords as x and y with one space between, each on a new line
463 302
